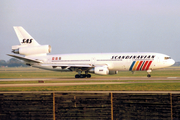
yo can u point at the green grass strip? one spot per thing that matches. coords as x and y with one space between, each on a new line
117 87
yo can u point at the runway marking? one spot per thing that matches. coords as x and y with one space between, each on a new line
172 77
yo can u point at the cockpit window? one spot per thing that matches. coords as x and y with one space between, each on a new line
166 58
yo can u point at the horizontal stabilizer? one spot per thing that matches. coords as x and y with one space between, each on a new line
23 58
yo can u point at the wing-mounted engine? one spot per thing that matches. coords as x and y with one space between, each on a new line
31 50
102 70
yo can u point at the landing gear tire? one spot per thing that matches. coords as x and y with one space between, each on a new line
82 76
88 75
77 76
148 75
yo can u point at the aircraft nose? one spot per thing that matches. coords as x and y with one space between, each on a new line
171 62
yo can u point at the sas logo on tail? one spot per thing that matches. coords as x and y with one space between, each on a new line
29 41
140 65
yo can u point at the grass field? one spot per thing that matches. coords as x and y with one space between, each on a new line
29 72
118 87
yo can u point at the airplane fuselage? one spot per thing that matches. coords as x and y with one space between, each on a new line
114 61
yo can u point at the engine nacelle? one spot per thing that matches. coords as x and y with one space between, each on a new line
33 50
113 72
100 70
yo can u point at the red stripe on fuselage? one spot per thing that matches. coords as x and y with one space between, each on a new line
148 65
139 65
145 65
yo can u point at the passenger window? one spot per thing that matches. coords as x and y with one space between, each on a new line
130 57
138 57
153 56
145 57
142 56
123 57
134 57
127 57
119 57
149 56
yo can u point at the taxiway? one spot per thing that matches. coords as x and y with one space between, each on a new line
93 79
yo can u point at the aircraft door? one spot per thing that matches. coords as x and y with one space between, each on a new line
93 60
158 59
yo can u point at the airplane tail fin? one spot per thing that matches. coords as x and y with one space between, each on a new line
24 37
28 45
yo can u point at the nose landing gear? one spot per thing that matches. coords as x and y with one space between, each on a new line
149 71
148 75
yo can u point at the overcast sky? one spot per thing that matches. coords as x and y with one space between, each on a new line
94 26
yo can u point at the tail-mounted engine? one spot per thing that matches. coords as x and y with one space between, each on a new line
31 50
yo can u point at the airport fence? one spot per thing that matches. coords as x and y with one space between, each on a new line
104 106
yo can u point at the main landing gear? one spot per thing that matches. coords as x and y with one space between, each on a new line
79 75
82 75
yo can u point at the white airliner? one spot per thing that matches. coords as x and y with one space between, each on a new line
35 55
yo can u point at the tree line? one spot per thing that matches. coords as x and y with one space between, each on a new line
12 63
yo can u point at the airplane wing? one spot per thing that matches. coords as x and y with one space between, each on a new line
53 64
23 58
69 65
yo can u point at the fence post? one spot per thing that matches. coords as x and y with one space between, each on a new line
54 110
111 106
171 106
75 101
